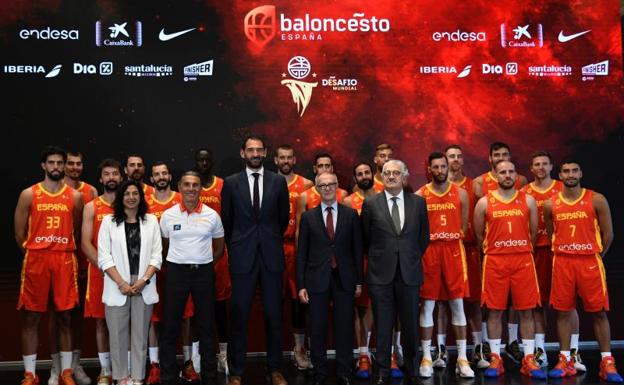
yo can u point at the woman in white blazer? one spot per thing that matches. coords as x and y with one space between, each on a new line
129 252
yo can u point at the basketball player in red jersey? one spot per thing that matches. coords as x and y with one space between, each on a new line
110 174
500 151
285 161
135 169
363 178
444 261
47 222
505 223
210 195
579 220
383 153
541 189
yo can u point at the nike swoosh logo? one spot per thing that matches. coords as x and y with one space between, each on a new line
563 38
168 36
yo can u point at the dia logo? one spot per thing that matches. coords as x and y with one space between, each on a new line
105 69
496 69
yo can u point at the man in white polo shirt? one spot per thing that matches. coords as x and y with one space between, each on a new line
194 235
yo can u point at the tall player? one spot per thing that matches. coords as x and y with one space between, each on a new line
47 221
74 167
482 184
505 222
210 195
285 161
445 274
579 220
363 178
110 174
383 153
135 169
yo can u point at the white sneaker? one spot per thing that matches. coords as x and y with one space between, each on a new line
301 360
398 351
441 357
54 376
463 369
222 365
578 363
80 376
196 362
136 382
426 368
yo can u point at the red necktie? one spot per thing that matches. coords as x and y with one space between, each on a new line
329 223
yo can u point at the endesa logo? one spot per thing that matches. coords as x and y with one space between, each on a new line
260 25
576 247
511 243
459 36
444 236
49 34
522 36
52 239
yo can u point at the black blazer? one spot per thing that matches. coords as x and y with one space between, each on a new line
386 248
244 232
314 250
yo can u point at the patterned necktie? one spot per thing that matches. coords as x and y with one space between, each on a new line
329 223
396 219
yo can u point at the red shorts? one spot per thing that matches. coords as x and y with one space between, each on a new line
94 308
444 271
364 299
582 274
513 272
543 266
473 264
290 270
157 312
223 283
44 271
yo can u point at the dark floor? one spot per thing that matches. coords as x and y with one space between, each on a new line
256 375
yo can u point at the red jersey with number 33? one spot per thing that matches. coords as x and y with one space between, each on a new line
507 225
51 220
444 213
576 229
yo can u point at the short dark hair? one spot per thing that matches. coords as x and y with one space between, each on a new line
52 150
569 161
497 146
160 163
437 155
202 149
252 137
541 153
323 155
362 164
383 146
75 153
134 155
119 215
285 147
109 162
453 146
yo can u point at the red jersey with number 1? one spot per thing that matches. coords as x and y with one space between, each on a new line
507 225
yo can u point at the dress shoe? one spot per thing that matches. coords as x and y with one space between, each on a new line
380 380
234 380
277 378
344 380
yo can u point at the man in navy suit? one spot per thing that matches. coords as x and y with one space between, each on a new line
329 266
396 234
255 211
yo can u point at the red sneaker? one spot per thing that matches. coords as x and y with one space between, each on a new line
608 372
154 374
564 368
30 379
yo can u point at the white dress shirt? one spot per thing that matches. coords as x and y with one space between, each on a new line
251 179
400 202
334 207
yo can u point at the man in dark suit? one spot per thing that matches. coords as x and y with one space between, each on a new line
255 211
329 265
396 234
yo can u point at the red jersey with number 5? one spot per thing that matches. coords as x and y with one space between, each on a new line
444 213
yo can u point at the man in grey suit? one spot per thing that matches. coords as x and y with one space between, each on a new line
255 210
396 234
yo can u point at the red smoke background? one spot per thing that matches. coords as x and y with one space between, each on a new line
418 113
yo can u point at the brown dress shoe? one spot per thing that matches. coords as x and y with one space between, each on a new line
234 380
277 379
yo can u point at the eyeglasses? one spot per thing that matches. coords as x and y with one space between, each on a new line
393 173
327 186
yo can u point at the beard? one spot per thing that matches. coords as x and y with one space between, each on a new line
365 184
161 185
440 178
571 182
506 187
255 162
286 168
111 186
137 176
55 175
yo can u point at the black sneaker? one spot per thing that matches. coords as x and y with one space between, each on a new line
512 350
478 358
440 357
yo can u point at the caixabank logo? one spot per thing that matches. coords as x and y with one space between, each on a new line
262 24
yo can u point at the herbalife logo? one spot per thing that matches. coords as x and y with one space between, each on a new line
299 68
149 70
119 35
596 69
191 72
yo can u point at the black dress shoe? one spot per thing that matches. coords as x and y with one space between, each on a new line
380 380
414 381
344 380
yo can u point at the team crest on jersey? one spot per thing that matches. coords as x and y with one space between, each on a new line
492 200
177 227
38 193
427 192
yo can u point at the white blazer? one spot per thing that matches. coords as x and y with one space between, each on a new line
113 251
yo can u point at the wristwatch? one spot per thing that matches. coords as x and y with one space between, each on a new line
147 280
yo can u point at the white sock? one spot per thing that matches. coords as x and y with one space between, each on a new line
461 350
426 349
223 347
76 358
441 340
396 341
129 361
495 345
539 341
153 355
30 362
574 341
363 350
529 346
605 354
188 351
477 338
56 362
195 349
513 332
105 361
368 336
484 331
299 340
66 360
566 353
